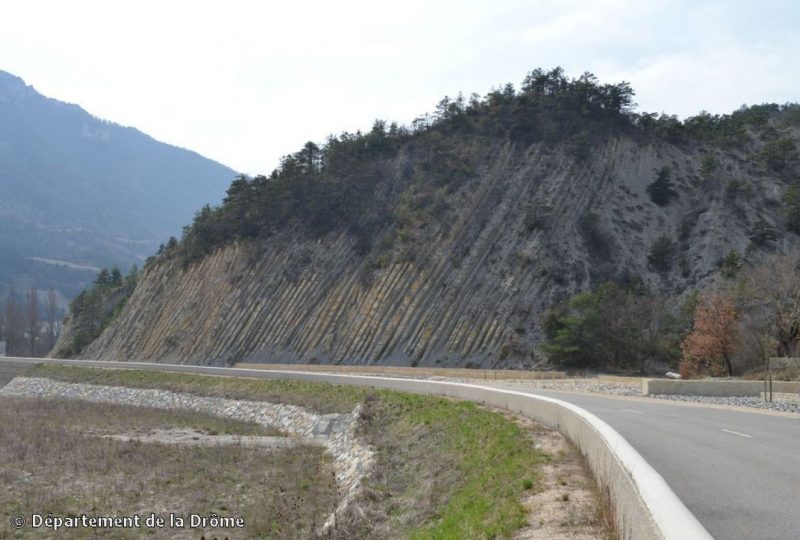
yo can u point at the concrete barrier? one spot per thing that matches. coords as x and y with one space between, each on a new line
644 505
714 388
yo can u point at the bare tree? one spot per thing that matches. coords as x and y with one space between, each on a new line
13 316
52 313
714 338
768 297
32 318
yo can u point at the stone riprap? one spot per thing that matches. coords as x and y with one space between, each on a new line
352 460
571 385
741 401
781 402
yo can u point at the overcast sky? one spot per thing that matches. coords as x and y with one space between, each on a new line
247 82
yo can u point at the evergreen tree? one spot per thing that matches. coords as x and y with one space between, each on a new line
103 278
731 264
116 277
778 155
661 190
708 165
791 207
763 233
662 255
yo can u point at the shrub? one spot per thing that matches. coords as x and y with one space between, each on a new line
662 255
708 165
731 264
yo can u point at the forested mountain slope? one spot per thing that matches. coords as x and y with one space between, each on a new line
78 189
445 243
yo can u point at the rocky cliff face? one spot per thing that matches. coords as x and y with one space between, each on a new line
531 228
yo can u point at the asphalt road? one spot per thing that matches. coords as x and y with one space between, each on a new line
737 471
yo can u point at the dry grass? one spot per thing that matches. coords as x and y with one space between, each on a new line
323 398
445 468
48 465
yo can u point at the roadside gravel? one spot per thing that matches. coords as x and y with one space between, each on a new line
599 386
754 402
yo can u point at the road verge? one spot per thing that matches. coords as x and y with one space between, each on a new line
644 505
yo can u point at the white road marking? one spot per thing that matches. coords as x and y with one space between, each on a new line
632 411
737 433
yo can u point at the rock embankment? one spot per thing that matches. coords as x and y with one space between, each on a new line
352 459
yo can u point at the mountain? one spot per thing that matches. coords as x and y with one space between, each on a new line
446 243
78 192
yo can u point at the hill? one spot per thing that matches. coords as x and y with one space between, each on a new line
78 192
448 241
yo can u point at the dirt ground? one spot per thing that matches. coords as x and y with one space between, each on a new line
72 457
566 504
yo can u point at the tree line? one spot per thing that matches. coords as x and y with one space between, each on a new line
94 309
750 315
30 322
337 186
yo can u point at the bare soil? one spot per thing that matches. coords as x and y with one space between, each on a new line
565 503
73 457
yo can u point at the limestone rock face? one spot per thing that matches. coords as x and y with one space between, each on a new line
533 227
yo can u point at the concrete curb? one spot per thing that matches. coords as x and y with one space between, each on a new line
644 505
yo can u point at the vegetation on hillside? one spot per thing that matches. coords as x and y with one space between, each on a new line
343 184
386 189
616 327
752 314
96 308
337 186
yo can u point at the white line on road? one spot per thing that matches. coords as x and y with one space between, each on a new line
737 433
632 411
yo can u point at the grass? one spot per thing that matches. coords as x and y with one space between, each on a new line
320 397
490 454
48 464
445 468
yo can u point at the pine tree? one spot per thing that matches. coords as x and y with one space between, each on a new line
661 190
662 255
791 207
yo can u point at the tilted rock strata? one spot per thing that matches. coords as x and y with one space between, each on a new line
468 288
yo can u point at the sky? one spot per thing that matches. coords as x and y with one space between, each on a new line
246 82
